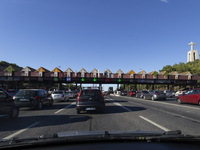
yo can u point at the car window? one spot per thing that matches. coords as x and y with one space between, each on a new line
57 92
26 93
91 93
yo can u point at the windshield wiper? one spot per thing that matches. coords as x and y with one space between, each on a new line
74 137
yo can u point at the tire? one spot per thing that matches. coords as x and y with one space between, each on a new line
152 98
40 105
14 113
179 101
78 111
199 103
51 103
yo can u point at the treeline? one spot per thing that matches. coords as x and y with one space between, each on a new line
192 67
4 64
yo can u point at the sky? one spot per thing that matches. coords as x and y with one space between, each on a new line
102 34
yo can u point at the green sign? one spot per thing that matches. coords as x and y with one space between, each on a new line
95 79
119 80
82 79
131 80
55 79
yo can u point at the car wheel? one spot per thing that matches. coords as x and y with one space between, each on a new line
179 101
51 103
199 103
40 105
152 98
14 113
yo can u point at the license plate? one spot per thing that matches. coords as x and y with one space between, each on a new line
90 109
24 100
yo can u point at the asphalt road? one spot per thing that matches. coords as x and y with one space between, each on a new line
122 113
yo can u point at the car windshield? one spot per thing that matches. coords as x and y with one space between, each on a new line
57 92
26 93
90 93
99 65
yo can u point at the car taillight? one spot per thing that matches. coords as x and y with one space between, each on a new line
156 94
78 97
13 98
102 99
36 97
62 95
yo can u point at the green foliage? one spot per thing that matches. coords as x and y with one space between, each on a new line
6 64
193 67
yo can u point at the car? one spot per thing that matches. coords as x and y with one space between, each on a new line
191 96
89 100
131 93
141 93
181 91
155 95
35 98
124 93
8 107
70 94
59 95
169 94
12 92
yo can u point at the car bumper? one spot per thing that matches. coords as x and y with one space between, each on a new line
90 107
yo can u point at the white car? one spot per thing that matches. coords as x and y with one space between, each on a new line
59 96
70 94
179 93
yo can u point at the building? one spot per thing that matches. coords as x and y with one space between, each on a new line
192 55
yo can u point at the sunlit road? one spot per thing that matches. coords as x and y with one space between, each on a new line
122 113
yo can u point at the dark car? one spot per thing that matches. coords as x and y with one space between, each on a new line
8 107
12 92
155 95
90 99
141 93
124 93
192 96
131 93
35 98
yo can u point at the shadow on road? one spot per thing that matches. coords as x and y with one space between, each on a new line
46 120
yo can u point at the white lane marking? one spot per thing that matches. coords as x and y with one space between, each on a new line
20 131
118 104
174 114
65 107
155 124
177 105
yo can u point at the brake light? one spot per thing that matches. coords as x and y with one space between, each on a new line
62 95
36 97
156 94
78 97
13 97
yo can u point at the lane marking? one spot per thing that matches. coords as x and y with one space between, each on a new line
20 131
118 104
177 105
155 124
65 107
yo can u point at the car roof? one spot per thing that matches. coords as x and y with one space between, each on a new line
31 89
90 90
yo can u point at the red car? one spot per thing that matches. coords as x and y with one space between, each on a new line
192 96
131 93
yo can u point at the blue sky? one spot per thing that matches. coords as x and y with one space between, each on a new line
101 34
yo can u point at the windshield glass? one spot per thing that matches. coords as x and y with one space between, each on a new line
26 93
57 92
99 65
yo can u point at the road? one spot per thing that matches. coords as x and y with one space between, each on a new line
122 113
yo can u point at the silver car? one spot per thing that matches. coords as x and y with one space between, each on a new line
59 96
70 94
155 95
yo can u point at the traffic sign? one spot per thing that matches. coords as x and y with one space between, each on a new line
119 80
82 79
95 79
